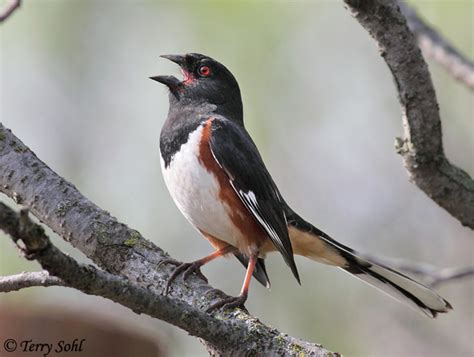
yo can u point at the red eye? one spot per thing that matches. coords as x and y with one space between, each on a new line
204 71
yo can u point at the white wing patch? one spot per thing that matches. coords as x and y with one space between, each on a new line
251 202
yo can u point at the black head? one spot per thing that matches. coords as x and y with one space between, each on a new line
205 81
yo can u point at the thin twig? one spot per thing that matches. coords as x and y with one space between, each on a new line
27 280
9 9
435 46
428 274
449 275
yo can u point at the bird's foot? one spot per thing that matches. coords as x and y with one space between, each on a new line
207 294
230 302
194 267
168 261
187 268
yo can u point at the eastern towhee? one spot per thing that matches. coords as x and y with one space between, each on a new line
218 180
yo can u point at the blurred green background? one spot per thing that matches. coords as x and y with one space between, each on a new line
320 104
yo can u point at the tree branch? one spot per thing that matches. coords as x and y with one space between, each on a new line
430 276
27 280
130 275
421 148
93 281
448 275
438 48
9 9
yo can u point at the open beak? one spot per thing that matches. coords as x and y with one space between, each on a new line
178 59
171 82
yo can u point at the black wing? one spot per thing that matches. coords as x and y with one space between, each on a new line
238 156
259 273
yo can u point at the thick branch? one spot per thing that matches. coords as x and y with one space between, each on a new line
128 258
93 281
27 280
421 147
439 49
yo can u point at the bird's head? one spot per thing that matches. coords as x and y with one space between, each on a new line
205 81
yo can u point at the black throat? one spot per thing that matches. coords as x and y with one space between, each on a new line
185 116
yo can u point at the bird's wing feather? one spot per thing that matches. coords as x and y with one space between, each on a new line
237 155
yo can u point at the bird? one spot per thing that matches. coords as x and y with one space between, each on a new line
218 180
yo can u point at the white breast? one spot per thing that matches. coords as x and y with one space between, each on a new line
196 191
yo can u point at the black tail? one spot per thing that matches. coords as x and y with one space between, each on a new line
259 273
319 246
398 286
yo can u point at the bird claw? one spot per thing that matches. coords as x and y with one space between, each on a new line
194 267
210 291
230 302
168 261
187 268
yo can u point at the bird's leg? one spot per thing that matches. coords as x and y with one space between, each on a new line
188 268
238 300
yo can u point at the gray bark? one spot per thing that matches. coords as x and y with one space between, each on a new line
26 280
436 47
